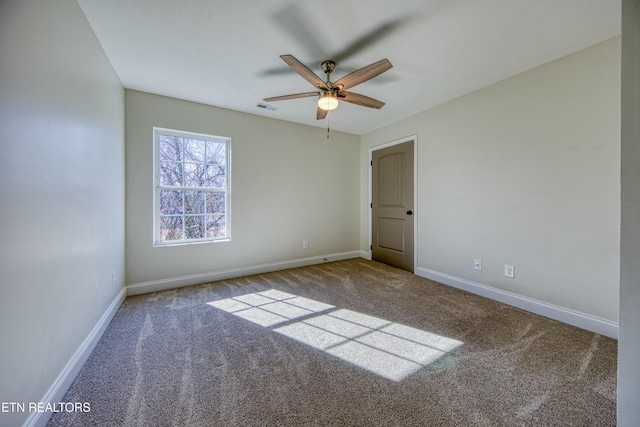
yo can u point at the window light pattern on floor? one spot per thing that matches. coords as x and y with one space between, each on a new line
388 349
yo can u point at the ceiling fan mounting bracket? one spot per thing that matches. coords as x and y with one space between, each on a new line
328 66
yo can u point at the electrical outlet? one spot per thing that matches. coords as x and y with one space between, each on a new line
305 244
477 264
509 271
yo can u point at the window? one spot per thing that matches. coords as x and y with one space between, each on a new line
191 199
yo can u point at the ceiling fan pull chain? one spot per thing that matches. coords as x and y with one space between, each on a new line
328 114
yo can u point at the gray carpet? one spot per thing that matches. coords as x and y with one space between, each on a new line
349 343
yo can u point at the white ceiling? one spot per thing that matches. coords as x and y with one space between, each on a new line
226 52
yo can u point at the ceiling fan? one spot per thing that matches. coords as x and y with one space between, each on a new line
329 93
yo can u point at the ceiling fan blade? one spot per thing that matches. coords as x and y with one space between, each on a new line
363 74
302 27
304 71
293 96
321 114
371 38
355 98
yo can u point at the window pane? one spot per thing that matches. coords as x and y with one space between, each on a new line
216 176
194 150
194 202
216 226
194 226
216 153
170 148
171 202
191 186
194 175
170 174
170 228
216 202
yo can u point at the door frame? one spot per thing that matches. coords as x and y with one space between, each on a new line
416 212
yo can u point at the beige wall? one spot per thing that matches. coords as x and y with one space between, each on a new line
62 186
288 184
524 172
629 346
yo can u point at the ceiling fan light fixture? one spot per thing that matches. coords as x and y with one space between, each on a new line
328 101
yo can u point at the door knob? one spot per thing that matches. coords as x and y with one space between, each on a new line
409 212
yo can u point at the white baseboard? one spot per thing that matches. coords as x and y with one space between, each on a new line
365 255
565 315
60 386
196 279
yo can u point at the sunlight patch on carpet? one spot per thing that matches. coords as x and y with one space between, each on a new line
388 349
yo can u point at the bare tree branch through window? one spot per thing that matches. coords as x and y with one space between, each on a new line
192 187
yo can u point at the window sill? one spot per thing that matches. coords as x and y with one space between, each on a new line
189 243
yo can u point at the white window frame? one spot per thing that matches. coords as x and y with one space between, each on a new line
157 131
